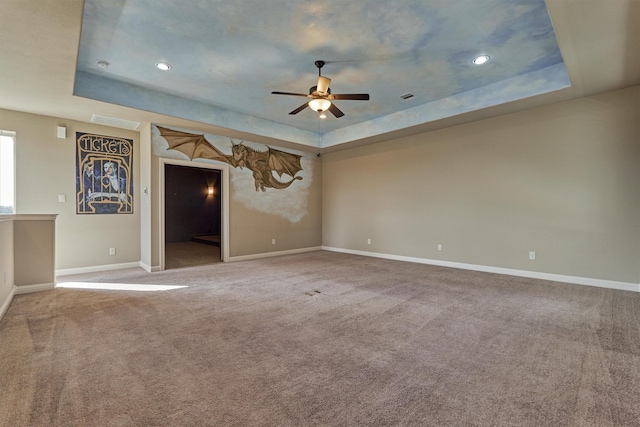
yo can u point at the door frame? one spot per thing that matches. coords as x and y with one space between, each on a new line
224 210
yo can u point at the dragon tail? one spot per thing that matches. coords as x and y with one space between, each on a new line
274 183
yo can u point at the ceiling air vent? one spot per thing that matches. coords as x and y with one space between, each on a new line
407 96
112 121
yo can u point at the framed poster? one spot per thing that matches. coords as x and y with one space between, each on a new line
104 174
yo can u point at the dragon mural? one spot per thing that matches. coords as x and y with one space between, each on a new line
262 163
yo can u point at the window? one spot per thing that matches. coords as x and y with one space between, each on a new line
7 175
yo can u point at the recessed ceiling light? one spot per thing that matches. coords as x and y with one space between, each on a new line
102 63
479 60
163 66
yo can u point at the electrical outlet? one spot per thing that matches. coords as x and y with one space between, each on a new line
62 198
532 255
439 247
273 241
368 241
112 251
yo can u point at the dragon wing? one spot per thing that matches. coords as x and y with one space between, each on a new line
193 145
283 162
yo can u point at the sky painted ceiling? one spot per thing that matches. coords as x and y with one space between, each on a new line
228 56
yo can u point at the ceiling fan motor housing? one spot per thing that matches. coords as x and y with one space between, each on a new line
313 91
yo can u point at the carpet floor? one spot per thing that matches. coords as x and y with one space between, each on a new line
320 338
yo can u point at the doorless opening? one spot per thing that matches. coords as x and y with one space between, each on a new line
193 215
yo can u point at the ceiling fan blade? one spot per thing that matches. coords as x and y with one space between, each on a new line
323 85
336 111
350 96
300 108
290 93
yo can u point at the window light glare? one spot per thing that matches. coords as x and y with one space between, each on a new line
119 286
479 60
7 173
163 66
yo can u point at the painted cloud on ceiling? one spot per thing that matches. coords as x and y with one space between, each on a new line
227 57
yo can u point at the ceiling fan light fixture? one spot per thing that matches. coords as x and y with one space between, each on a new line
322 115
319 104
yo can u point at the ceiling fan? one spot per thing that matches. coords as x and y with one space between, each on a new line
321 96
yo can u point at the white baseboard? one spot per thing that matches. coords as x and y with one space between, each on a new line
610 284
148 268
39 287
97 268
7 302
272 254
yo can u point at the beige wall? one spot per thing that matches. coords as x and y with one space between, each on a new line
27 254
45 168
34 252
251 231
146 212
562 180
6 259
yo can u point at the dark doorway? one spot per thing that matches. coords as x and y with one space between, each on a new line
192 212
